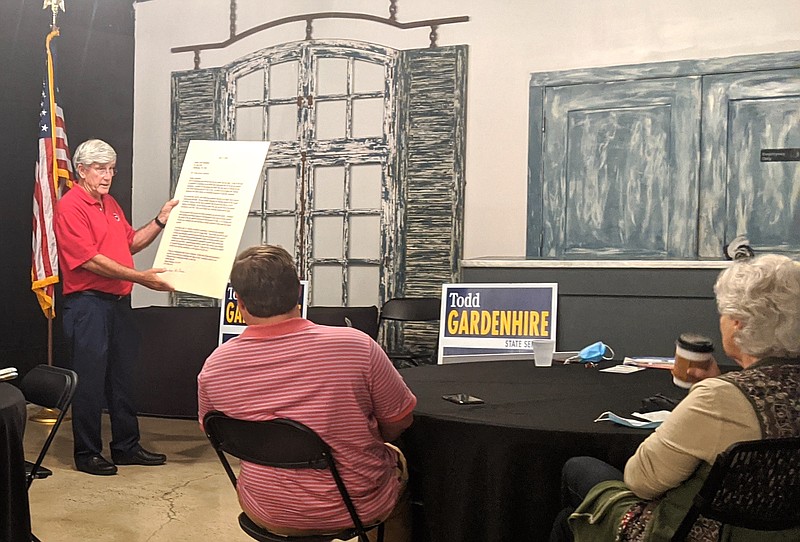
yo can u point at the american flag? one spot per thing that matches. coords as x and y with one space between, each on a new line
53 171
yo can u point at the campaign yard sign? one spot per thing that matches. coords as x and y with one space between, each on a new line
495 321
231 323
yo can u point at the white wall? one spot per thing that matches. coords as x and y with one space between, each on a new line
508 40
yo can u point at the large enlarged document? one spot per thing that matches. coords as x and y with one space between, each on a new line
215 189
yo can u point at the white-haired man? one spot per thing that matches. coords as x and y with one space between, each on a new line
95 249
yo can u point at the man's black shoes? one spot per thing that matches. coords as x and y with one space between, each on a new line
139 457
98 465
95 464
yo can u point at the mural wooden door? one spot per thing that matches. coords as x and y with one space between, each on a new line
620 169
744 113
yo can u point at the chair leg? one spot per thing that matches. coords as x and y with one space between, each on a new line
362 537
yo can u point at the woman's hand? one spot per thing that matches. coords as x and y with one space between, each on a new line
696 374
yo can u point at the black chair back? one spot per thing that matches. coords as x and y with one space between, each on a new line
754 485
402 310
411 309
361 318
279 443
49 387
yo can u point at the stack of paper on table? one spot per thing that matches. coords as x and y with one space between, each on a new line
650 362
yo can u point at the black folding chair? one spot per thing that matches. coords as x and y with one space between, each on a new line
754 485
361 318
49 387
409 309
286 444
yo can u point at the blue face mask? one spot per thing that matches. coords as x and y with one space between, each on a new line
628 422
593 353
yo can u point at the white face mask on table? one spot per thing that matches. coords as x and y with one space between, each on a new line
650 420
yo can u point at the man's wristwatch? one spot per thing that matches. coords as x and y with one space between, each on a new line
160 224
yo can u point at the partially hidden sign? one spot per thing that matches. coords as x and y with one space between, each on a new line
231 323
495 321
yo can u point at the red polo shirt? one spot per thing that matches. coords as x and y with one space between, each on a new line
84 229
335 380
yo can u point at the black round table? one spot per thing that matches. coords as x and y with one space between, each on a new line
15 519
491 472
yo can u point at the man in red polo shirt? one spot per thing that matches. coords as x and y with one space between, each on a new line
95 249
335 380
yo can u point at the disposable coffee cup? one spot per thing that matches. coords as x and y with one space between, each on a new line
691 350
543 352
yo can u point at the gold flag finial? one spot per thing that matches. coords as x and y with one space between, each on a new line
54 5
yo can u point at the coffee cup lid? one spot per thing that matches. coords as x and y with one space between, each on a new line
695 342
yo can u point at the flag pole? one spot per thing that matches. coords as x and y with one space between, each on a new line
54 5
48 416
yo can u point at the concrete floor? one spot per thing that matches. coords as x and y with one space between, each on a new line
188 499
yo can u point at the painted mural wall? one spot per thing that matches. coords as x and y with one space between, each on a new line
508 40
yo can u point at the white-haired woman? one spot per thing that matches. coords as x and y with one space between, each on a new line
758 301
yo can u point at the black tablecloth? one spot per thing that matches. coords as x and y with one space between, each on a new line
15 519
491 472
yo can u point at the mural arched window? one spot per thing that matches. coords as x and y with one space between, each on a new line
328 109
365 175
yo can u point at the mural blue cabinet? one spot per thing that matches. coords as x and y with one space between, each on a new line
662 161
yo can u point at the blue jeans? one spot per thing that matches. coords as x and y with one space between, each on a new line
579 475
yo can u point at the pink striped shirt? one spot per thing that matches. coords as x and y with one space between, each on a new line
335 380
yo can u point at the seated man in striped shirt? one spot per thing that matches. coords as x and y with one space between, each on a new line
335 380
